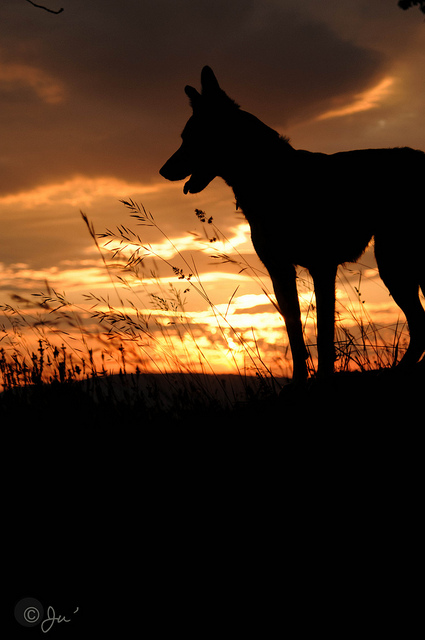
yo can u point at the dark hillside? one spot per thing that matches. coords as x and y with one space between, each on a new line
369 399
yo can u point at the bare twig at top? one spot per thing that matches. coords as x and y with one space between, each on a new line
40 6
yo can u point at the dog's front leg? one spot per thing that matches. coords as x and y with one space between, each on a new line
324 287
285 288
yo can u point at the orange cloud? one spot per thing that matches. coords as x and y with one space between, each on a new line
77 191
15 75
362 102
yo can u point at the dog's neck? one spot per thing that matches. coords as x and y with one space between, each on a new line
256 152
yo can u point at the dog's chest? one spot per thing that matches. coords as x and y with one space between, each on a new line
306 239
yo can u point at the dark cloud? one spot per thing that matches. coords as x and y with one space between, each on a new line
106 95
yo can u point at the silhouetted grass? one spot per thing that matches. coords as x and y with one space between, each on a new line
49 356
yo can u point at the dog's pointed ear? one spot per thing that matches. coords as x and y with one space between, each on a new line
193 95
209 82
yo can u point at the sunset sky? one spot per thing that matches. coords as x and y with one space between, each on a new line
92 104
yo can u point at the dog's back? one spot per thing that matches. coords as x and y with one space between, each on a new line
313 207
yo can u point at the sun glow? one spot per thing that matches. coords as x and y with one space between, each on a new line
223 318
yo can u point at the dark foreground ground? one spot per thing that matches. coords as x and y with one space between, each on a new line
137 402
149 507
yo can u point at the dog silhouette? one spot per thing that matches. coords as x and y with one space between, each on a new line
311 209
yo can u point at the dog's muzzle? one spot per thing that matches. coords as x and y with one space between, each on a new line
198 181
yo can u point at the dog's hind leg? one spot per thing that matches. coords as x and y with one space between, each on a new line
285 288
403 281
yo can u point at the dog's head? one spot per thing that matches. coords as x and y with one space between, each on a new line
201 153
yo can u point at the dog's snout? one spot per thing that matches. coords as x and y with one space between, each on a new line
166 171
177 167
163 171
